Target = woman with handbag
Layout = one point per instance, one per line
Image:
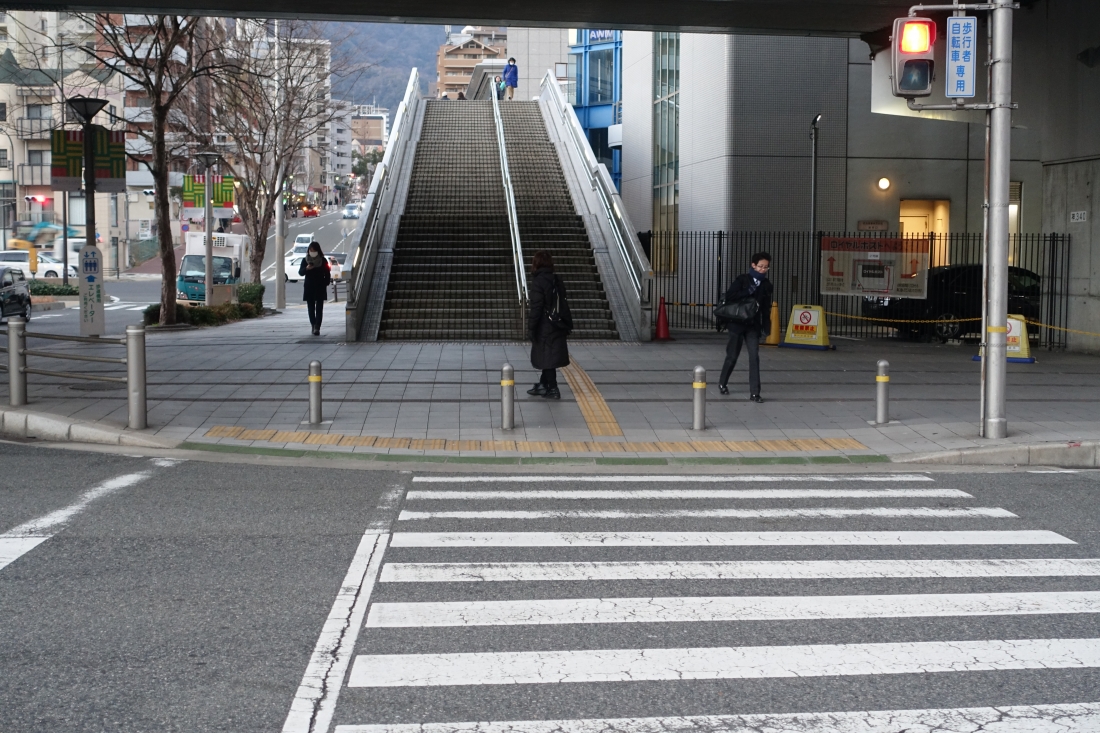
(548, 324)
(315, 270)
(754, 290)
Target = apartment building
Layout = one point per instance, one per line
(464, 50)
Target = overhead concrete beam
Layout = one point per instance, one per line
(786, 17)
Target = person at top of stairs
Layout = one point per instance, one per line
(511, 77)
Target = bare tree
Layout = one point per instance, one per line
(270, 111)
(161, 57)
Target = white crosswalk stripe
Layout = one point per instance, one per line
(474, 561)
(126, 305)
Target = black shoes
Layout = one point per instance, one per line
(756, 398)
(539, 390)
(723, 389)
(552, 394)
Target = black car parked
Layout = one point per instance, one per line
(15, 296)
(955, 291)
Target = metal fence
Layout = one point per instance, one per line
(693, 269)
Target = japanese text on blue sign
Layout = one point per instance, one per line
(962, 51)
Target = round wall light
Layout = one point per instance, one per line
(883, 183)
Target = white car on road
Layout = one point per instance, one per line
(295, 256)
(47, 266)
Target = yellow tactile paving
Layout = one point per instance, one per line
(257, 435)
(324, 439)
(795, 445)
(595, 411)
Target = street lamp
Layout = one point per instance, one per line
(208, 158)
(85, 108)
(813, 175)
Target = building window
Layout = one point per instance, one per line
(601, 76)
(38, 157)
(114, 209)
(38, 111)
(3, 111)
(3, 158)
(666, 131)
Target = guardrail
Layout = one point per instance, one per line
(372, 222)
(635, 263)
(510, 198)
(134, 341)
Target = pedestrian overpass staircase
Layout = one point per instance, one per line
(467, 192)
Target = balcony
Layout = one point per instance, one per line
(33, 128)
(34, 175)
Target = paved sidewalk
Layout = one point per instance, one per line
(252, 375)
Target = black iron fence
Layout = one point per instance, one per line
(693, 269)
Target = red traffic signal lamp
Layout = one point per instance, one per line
(914, 69)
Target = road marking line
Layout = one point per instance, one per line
(1066, 718)
(662, 479)
(807, 513)
(691, 494)
(704, 609)
(488, 572)
(20, 540)
(725, 539)
(720, 663)
(314, 703)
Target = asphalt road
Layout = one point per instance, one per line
(193, 596)
(131, 296)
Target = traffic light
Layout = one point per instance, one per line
(914, 69)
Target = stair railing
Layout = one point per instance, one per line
(372, 219)
(510, 198)
(630, 250)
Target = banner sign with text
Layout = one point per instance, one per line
(194, 189)
(67, 160)
(874, 266)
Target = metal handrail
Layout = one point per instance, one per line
(510, 198)
(639, 267)
(371, 228)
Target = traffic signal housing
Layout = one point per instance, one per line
(914, 68)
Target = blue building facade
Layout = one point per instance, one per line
(596, 91)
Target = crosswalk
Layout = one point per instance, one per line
(123, 305)
(587, 604)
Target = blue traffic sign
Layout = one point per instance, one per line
(962, 52)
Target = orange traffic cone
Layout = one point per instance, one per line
(662, 322)
(776, 330)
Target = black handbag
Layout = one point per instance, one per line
(742, 311)
(557, 320)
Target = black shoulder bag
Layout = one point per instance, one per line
(742, 311)
(557, 320)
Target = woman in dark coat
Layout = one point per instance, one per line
(317, 274)
(548, 323)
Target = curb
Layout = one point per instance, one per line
(1072, 454)
(21, 424)
(57, 305)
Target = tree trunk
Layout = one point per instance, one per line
(159, 169)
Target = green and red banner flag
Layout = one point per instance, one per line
(67, 160)
(194, 189)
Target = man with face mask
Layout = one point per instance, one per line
(511, 77)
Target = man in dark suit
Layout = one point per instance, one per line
(754, 284)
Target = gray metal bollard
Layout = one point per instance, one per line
(507, 397)
(135, 376)
(17, 362)
(699, 403)
(882, 393)
(315, 393)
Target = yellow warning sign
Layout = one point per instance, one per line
(807, 329)
(1017, 348)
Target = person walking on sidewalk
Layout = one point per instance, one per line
(549, 322)
(511, 77)
(753, 284)
(315, 270)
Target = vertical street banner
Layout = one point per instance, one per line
(962, 51)
(92, 319)
(67, 160)
(896, 267)
(194, 189)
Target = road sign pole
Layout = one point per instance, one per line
(208, 238)
(280, 246)
(1000, 153)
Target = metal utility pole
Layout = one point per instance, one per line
(813, 175)
(1000, 155)
(280, 245)
(208, 159)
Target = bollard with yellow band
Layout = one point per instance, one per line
(507, 397)
(807, 329)
(699, 399)
(315, 393)
(1016, 340)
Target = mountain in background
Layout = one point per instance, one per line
(389, 51)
